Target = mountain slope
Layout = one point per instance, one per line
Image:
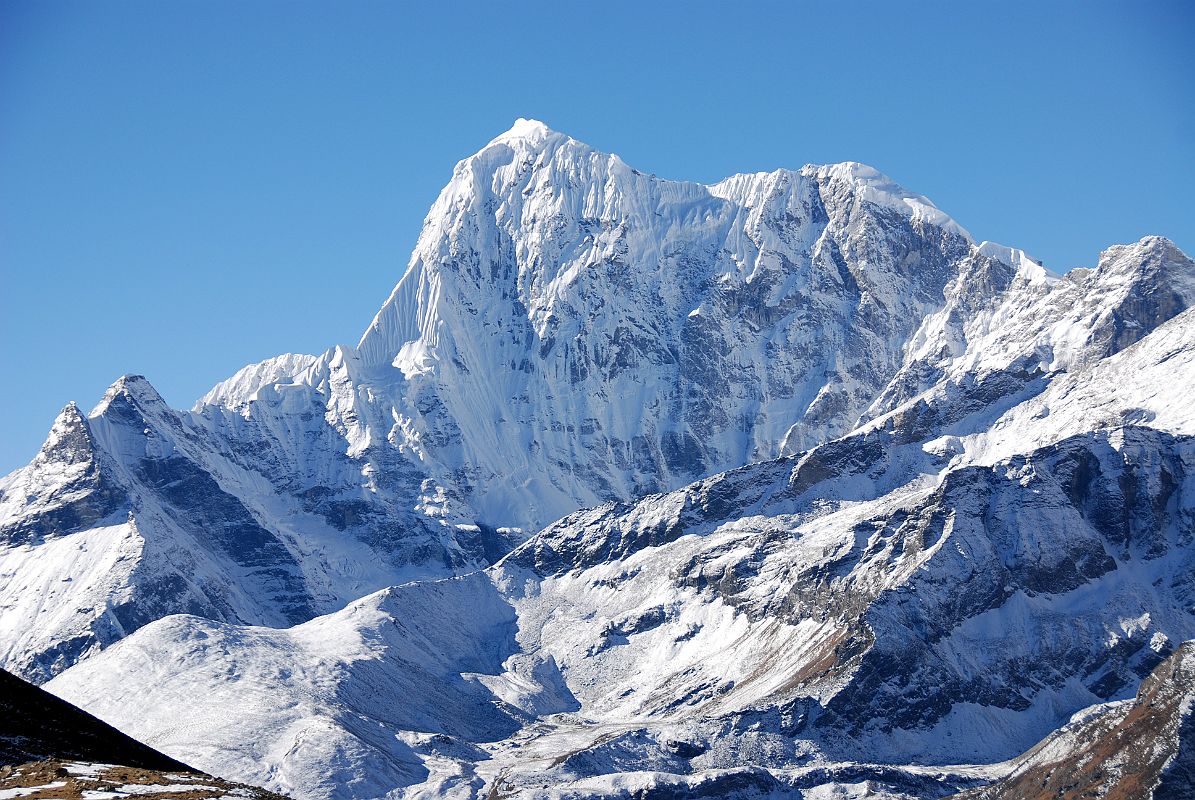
(35, 725)
(856, 613)
(131, 513)
(922, 628)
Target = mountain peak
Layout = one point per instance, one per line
(1025, 265)
(1146, 246)
(134, 387)
(877, 188)
(526, 135)
(1151, 254)
(69, 440)
(526, 129)
(242, 387)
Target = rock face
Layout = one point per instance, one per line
(841, 499)
(1139, 748)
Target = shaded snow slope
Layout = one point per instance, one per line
(133, 512)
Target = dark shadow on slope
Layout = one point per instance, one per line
(35, 726)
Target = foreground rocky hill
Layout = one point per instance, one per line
(51, 750)
(36, 726)
(1139, 748)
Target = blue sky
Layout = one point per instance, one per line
(186, 187)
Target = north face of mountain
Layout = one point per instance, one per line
(605, 333)
(600, 333)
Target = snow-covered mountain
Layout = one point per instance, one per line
(133, 513)
(569, 331)
(846, 503)
(691, 642)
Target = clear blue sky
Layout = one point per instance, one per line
(186, 187)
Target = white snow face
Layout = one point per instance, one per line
(572, 331)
